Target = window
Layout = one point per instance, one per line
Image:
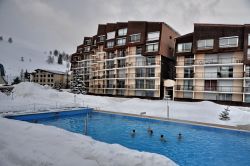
(247, 72)
(110, 35)
(150, 72)
(87, 49)
(138, 50)
(121, 62)
(205, 44)
(229, 41)
(188, 85)
(188, 72)
(121, 41)
(122, 32)
(110, 44)
(153, 36)
(135, 38)
(88, 42)
(140, 72)
(110, 55)
(210, 85)
(150, 84)
(140, 61)
(152, 47)
(101, 38)
(121, 53)
(139, 84)
(225, 97)
(225, 71)
(249, 39)
(184, 47)
(150, 61)
(248, 53)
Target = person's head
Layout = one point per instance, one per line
(134, 131)
(162, 136)
(179, 134)
(151, 131)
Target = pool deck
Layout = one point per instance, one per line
(245, 128)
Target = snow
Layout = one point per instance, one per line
(10, 58)
(32, 97)
(26, 144)
(23, 143)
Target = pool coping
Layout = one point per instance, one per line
(235, 128)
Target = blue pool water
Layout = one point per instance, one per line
(200, 146)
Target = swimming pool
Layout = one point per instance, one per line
(200, 145)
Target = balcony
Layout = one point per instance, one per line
(226, 89)
(218, 75)
(191, 61)
(215, 75)
(218, 61)
(184, 87)
(143, 63)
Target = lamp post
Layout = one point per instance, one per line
(167, 97)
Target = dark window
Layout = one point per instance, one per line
(210, 85)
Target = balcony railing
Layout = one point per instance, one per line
(189, 62)
(229, 89)
(210, 75)
(184, 87)
(128, 87)
(218, 61)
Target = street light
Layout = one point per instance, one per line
(167, 97)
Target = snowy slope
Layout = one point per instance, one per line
(10, 57)
(27, 144)
(32, 97)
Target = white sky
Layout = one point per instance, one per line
(62, 24)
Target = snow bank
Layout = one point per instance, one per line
(25, 144)
(34, 97)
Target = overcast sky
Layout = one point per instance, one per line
(62, 24)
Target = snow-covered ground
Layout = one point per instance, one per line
(26, 144)
(10, 58)
(23, 143)
(33, 97)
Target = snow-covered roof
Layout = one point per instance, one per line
(52, 71)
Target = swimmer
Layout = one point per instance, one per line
(133, 133)
(150, 131)
(179, 136)
(162, 138)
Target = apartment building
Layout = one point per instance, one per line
(213, 63)
(55, 79)
(127, 59)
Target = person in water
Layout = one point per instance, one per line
(179, 136)
(133, 133)
(150, 131)
(162, 138)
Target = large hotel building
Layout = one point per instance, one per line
(213, 63)
(127, 59)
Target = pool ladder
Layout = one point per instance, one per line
(85, 132)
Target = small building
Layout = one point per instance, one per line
(55, 79)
